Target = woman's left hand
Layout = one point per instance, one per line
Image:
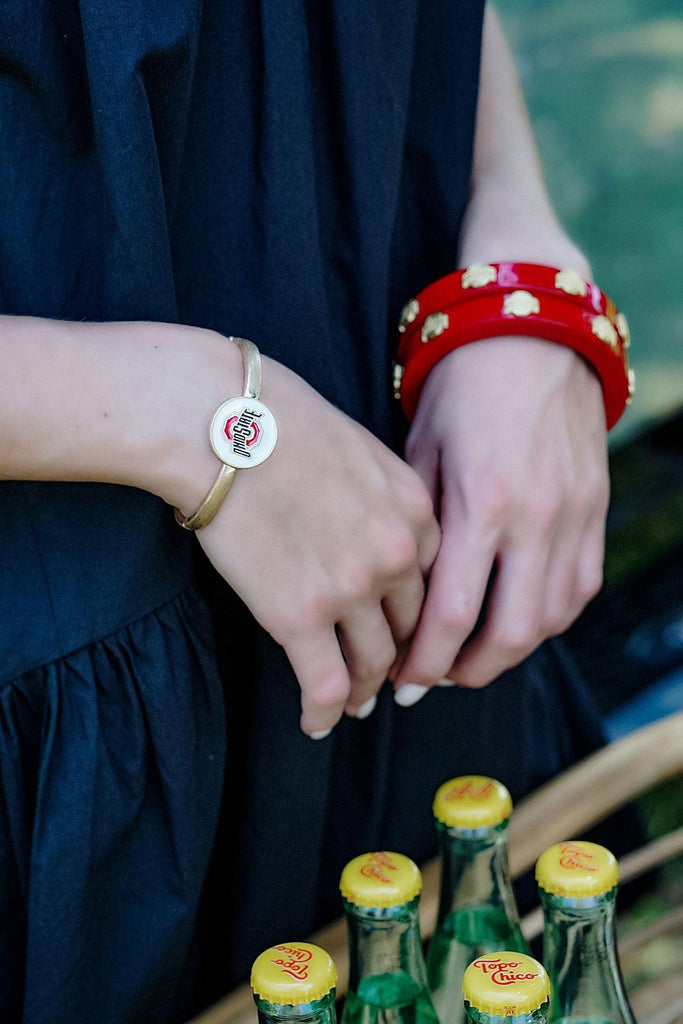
(510, 439)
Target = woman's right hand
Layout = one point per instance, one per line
(327, 543)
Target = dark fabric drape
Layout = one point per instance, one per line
(292, 172)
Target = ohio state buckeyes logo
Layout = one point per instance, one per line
(243, 432)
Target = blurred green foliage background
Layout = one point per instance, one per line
(604, 84)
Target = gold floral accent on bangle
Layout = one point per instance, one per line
(397, 379)
(479, 274)
(631, 377)
(520, 303)
(570, 282)
(434, 325)
(408, 314)
(604, 330)
(623, 328)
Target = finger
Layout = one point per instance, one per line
(425, 460)
(324, 680)
(417, 507)
(415, 500)
(428, 546)
(590, 563)
(454, 597)
(559, 604)
(369, 650)
(512, 629)
(574, 573)
(402, 605)
(402, 651)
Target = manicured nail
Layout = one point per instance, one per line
(367, 708)
(320, 734)
(410, 694)
(445, 682)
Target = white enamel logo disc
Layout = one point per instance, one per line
(243, 432)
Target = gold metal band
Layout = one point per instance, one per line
(203, 515)
(251, 360)
(205, 512)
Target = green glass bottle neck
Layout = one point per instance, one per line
(474, 869)
(320, 1011)
(385, 941)
(474, 1016)
(580, 955)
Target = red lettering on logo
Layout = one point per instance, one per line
(252, 429)
(575, 859)
(470, 790)
(502, 972)
(377, 867)
(297, 962)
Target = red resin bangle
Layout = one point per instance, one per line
(554, 305)
(592, 336)
(493, 278)
(486, 278)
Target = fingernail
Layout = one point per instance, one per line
(367, 708)
(410, 694)
(445, 682)
(320, 734)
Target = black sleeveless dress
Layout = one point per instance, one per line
(290, 171)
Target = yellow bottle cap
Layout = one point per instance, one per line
(472, 801)
(294, 973)
(380, 880)
(505, 984)
(577, 870)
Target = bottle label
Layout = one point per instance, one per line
(295, 962)
(502, 972)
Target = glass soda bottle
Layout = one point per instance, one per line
(506, 985)
(294, 982)
(578, 886)
(387, 974)
(477, 909)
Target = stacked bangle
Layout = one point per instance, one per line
(242, 433)
(497, 299)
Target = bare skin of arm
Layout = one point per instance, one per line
(509, 436)
(339, 585)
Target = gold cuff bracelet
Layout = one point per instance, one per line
(242, 434)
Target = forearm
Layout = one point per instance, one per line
(116, 402)
(509, 434)
(509, 216)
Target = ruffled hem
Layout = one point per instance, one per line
(112, 764)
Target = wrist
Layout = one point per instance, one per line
(120, 402)
(513, 299)
(198, 370)
(522, 368)
(242, 434)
